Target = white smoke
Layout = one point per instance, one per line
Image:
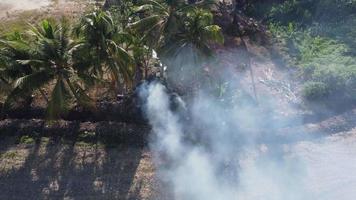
(218, 149)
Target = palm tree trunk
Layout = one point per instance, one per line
(71, 87)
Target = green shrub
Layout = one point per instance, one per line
(26, 140)
(328, 63)
(315, 90)
(293, 10)
(319, 38)
(9, 155)
(316, 50)
(350, 81)
(336, 80)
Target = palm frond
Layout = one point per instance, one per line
(33, 81)
(145, 23)
(59, 101)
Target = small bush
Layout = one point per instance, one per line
(327, 63)
(293, 10)
(8, 155)
(319, 38)
(26, 140)
(315, 90)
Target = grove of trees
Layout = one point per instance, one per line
(64, 60)
(68, 62)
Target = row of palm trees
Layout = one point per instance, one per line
(62, 61)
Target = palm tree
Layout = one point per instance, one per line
(14, 48)
(51, 63)
(161, 23)
(166, 26)
(198, 32)
(190, 48)
(195, 25)
(100, 39)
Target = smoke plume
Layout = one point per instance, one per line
(219, 144)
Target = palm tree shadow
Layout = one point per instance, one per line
(66, 167)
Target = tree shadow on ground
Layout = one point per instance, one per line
(59, 168)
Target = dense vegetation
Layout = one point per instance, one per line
(317, 36)
(64, 62)
(71, 63)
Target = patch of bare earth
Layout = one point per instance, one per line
(17, 14)
(11, 8)
(58, 169)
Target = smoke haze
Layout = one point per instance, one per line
(219, 147)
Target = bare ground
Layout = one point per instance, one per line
(16, 15)
(10, 9)
(47, 168)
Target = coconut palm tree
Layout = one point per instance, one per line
(14, 48)
(198, 32)
(169, 26)
(190, 48)
(160, 21)
(104, 55)
(51, 66)
(195, 25)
